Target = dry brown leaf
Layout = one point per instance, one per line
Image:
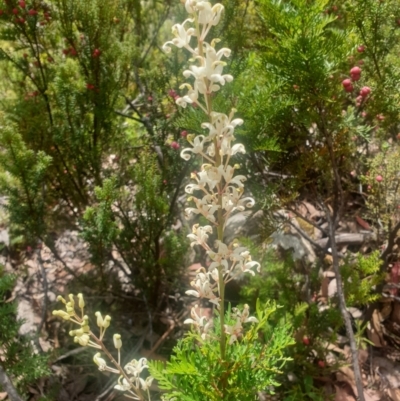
(395, 316)
(332, 288)
(363, 223)
(346, 374)
(324, 287)
(374, 332)
(333, 347)
(393, 393)
(342, 394)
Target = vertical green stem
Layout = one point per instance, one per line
(220, 230)
(220, 216)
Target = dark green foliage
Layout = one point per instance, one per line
(292, 77)
(21, 363)
(86, 107)
(133, 220)
(22, 180)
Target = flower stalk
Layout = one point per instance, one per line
(130, 380)
(217, 191)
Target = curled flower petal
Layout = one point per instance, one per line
(237, 148)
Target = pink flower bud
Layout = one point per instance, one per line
(346, 82)
(172, 93)
(355, 71)
(349, 88)
(379, 178)
(365, 91)
(175, 145)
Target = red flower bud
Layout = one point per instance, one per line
(365, 91)
(355, 71)
(96, 53)
(175, 145)
(346, 82)
(349, 88)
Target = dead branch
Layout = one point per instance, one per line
(7, 385)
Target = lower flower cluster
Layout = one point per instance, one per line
(130, 380)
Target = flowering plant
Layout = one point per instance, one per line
(233, 355)
(232, 362)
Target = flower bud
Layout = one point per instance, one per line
(84, 340)
(100, 320)
(60, 298)
(62, 314)
(117, 341)
(79, 332)
(81, 302)
(106, 321)
(70, 309)
(71, 300)
(100, 362)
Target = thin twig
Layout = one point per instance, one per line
(45, 291)
(108, 389)
(343, 309)
(389, 247)
(313, 223)
(69, 353)
(306, 236)
(7, 385)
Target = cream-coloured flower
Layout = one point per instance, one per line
(203, 288)
(198, 146)
(123, 384)
(146, 384)
(196, 319)
(244, 316)
(199, 235)
(99, 361)
(182, 37)
(206, 206)
(228, 174)
(135, 367)
(234, 331)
